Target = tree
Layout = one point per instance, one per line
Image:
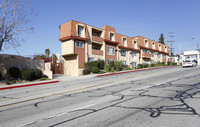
(47, 52)
(15, 18)
(161, 39)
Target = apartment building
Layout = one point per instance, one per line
(82, 43)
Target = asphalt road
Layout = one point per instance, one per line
(168, 97)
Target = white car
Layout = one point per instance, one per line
(189, 63)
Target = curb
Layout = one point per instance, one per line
(26, 85)
(115, 73)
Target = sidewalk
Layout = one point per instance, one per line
(61, 78)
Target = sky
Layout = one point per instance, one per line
(147, 18)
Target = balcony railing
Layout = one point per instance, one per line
(146, 55)
(97, 52)
(97, 39)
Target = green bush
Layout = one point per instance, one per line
(152, 65)
(28, 74)
(95, 70)
(119, 65)
(145, 65)
(0, 75)
(112, 69)
(101, 64)
(97, 63)
(112, 64)
(140, 66)
(162, 63)
(107, 68)
(38, 74)
(86, 71)
(14, 72)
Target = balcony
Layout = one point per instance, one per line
(97, 52)
(146, 55)
(97, 39)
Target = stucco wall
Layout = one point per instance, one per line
(71, 65)
(6, 63)
(67, 47)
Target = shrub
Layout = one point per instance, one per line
(140, 66)
(112, 64)
(145, 65)
(107, 68)
(28, 74)
(97, 63)
(162, 63)
(119, 65)
(95, 70)
(14, 72)
(112, 69)
(86, 71)
(38, 73)
(101, 64)
(0, 75)
(152, 65)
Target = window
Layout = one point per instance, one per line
(96, 32)
(123, 62)
(111, 36)
(96, 46)
(164, 56)
(144, 50)
(133, 64)
(90, 59)
(135, 44)
(123, 52)
(165, 48)
(133, 54)
(153, 45)
(109, 60)
(159, 47)
(110, 51)
(158, 55)
(152, 61)
(146, 43)
(124, 41)
(152, 54)
(79, 44)
(80, 31)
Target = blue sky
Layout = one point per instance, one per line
(148, 18)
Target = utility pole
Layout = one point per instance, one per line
(171, 49)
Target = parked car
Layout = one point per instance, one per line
(189, 63)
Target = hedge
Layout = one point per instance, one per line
(14, 72)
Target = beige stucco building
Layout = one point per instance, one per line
(82, 43)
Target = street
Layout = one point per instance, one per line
(167, 97)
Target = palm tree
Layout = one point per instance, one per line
(47, 52)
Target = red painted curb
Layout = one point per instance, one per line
(35, 84)
(132, 71)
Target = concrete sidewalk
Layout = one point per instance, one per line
(62, 78)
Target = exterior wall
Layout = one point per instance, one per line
(81, 55)
(67, 47)
(71, 65)
(6, 63)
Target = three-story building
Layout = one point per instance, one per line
(82, 43)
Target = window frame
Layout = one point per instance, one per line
(108, 51)
(123, 52)
(80, 42)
